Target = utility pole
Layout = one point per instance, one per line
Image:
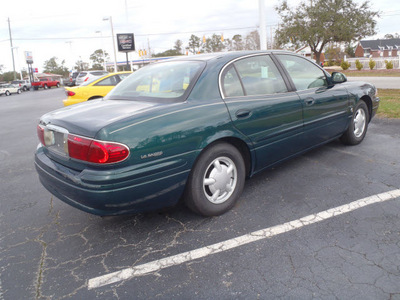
(12, 49)
(263, 29)
(113, 41)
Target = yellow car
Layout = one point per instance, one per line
(97, 88)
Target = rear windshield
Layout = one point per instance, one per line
(99, 73)
(163, 81)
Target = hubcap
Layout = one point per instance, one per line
(220, 180)
(359, 122)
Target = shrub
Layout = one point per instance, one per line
(389, 64)
(372, 64)
(359, 65)
(345, 65)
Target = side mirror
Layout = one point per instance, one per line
(338, 77)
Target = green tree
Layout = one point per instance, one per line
(372, 64)
(252, 41)
(97, 58)
(322, 21)
(178, 47)
(170, 52)
(213, 44)
(238, 43)
(350, 50)
(359, 65)
(9, 76)
(391, 36)
(51, 66)
(194, 44)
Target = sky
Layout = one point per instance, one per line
(72, 30)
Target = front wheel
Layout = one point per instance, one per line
(58, 85)
(7, 93)
(45, 87)
(216, 181)
(358, 125)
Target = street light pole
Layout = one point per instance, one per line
(112, 33)
(263, 29)
(12, 51)
(18, 65)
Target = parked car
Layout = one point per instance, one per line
(72, 79)
(8, 89)
(97, 88)
(24, 85)
(86, 76)
(194, 128)
(45, 83)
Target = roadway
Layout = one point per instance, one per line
(379, 82)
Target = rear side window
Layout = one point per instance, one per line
(109, 81)
(252, 76)
(305, 75)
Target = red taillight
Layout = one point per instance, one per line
(69, 93)
(40, 133)
(96, 151)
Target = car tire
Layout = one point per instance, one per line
(216, 181)
(7, 93)
(19, 91)
(357, 129)
(45, 87)
(58, 85)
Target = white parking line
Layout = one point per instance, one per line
(181, 258)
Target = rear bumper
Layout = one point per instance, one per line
(112, 192)
(69, 101)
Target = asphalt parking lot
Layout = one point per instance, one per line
(312, 227)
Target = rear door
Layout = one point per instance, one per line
(325, 106)
(262, 108)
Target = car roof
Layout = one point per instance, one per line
(226, 55)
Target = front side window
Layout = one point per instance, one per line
(305, 75)
(168, 80)
(252, 76)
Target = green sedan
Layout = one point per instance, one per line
(194, 128)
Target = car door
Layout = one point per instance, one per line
(325, 106)
(262, 108)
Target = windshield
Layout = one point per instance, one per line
(163, 81)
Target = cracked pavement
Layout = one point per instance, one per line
(49, 250)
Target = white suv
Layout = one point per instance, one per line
(86, 76)
(23, 85)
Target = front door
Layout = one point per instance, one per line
(325, 107)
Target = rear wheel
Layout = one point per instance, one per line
(45, 87)
(19, 91)
(216, 181)
(358, 125)
(7, 93)
(25, 88)
(58, 85)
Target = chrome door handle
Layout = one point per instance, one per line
(242, 113)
